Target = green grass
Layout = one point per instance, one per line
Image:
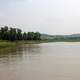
(4, 44)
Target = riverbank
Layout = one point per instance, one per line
(5, 44)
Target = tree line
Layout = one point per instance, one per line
(13, 34)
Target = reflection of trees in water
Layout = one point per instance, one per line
(31, 49)
(10, 56)
(19, 54)
(32, 52)
(20, 50)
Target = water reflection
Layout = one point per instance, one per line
(50, 61)
(18, 55)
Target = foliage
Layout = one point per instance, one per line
(13, 34)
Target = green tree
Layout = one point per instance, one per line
(12, 34)
(37, 36)
(19, 34)
(30, 36)
(24, 36)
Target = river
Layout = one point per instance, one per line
(45, 61)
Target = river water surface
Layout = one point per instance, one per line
(46, 61)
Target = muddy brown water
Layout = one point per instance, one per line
(46, 61)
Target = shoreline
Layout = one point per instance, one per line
(6, 44)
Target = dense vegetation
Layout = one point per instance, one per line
(13, 34)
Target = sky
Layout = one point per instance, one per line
(45, 16)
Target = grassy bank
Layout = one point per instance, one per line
(5, 44)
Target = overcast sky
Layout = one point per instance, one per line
(45, 16)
